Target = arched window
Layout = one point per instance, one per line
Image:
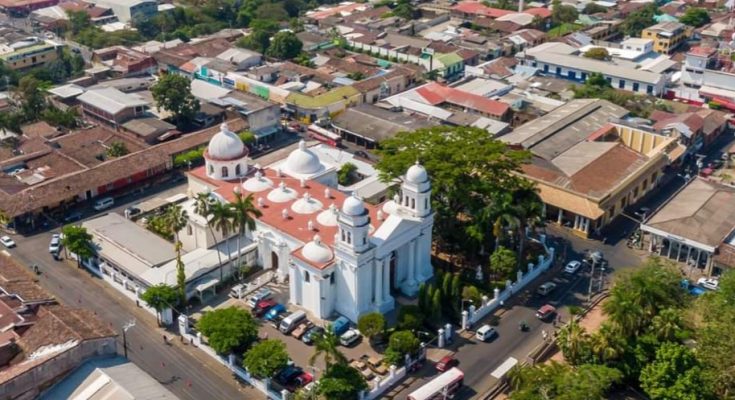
(238, 170)
(211, 169)
(349, 237)
(413, 203)
(306, 276)
(224, 172)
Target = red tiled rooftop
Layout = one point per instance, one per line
(702, 51)
(436, 93)
(477, 8)
(538, 12)
(296, 225)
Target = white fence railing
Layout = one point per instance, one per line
(534, 270)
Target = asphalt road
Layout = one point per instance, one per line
(186, 371)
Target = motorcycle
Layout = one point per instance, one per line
(523, 326)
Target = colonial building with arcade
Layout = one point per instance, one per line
(339, 254)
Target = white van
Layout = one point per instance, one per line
(104, 203)
(237, 291)
(290, 322)
(485, 333)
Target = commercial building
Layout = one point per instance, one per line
(367, 125)
(564, 61)
(30, 52)
(696, 226)
(667, 36)
(112, 106)
(588, 164)
(129, 11)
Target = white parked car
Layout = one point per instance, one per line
(261, 294)
(55, 244)
(350, 337)
(7, 241)
(572, 267)
(709, 283)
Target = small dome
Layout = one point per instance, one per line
(306, 205)
(282, 194)
(258, 183)
(225, 145)
(353, 206)
(417, 174)
(328, 217)
(303, 161)
(316, 251)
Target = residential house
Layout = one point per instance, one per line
(29, 52)
(18, 8)
(124, 62)
(130, 11)
(241, 59)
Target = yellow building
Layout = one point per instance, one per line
(588, 165)
(28, 54)
(667, 36)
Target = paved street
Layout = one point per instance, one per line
(187, 372)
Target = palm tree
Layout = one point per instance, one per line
(326, 346)
(203, 207)
(666, 324)
(244, 215)
(527, 207)
(176, 218)
(623, 311)
(573, 341)
(607, 344)
(222, 218)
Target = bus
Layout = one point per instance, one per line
(325, 136)
(440, 388)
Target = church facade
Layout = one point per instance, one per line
(339, 254)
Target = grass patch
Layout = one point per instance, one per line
(563, 29)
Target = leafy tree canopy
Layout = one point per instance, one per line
(468, 169)
(562, 382)
(638, 20)
(173, 93)
(266, 358)
(77, 240)
(341, 382)
(598, 53)
(674, 375)
(695, 17)
(285, 46)
(371, 324)
(562, 13)
(503, 263)
(228, 329)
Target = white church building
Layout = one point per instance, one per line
(339, 254)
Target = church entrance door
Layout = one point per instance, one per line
(274, 260)
(393, 266)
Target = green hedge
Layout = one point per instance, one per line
(194, 156)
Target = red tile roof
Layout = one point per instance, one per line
(436, 93)
(702, 51)
(538, 12)
(477, 8)
(295, 225)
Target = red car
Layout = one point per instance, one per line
(263, 306)
(545, 312)
(299, 382)
(446, 363)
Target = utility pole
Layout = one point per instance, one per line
(592, 279)
(125, 339)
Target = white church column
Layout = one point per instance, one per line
(379, 281)
(412, 263)
(386, 275)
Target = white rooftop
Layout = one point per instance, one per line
(111, 100)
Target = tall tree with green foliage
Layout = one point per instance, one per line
(371, 324)
(638, 20)
(562, 13)
(341, 382)
(695, 17)
(204, 206)
(160, 297)
(266, 358)
(326, 346)
(77, 240)
(469, 166)
(436, 307)
(223, 217)
(228, 329)
(244, 214)
(562, 382)
(285, 46)
(410, 317)
(346, 173)
(675, 374)
(574, 343)
(172, 92)
(401, 344)
(31, 99)
(503, 263)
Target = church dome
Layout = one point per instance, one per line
(353, 206)
(257, 183)
(303, 161)
(328, 217)
(282, 194)
(225, 145)
(306, 205)
(417, 174)
(316, 251)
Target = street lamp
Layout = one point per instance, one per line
(125, 338)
